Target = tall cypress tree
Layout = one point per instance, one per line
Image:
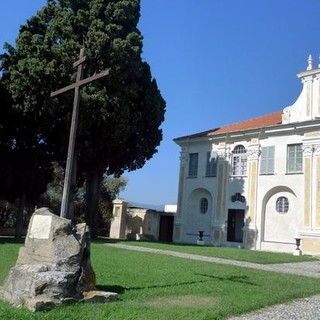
(120, 116)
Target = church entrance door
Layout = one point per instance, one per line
(235, 225)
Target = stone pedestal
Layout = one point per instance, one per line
(53, 267)
(250, 233)
(217, 236)
(297, 252)
(200, 241)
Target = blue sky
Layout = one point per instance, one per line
(216, 62)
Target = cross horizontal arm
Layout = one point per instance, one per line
(80, 61)
(80, 83)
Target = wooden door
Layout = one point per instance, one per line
(166, 228)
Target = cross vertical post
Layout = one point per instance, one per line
(72, 142)
(65, 204)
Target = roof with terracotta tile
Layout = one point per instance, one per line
(254, 123)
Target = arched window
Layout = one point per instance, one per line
(282, 205)
(203, 205)
(239, 161)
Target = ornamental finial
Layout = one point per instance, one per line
(309, 62)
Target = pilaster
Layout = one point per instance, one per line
(250, 230)
(253, 158)
(177, 232)
(317, 183)
(182, 177)
(307, 155)
(222, 174)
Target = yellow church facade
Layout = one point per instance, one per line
(255, 184)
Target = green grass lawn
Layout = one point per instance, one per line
(253, 256)
(152, 286)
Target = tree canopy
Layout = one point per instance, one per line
(23, 162)
(120, 115)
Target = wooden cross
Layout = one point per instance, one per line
(73, 130)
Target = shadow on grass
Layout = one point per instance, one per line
(120, 289)
(240, 279)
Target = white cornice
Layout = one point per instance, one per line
(285, 129)
(308, 73)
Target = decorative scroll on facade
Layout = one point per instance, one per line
(238, 197)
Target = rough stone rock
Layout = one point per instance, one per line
(99, 296)
(53, 267)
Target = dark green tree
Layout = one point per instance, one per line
(111, 187)
(120, 116)
(25, 166)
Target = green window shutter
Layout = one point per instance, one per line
(211, 168)
(267, 160)
(193, 164)
(294, 158)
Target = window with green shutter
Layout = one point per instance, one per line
(294, 158)
(267, 160)
(211, 169)
(193, 165)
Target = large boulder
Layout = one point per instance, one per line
(53, 267)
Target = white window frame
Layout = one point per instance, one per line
(267, 160)
(294, 158)
(239, 161)
(204, 204)
(282, 205)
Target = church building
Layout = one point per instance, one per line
(255, 184)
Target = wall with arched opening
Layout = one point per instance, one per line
(279, 221)
(198, 216)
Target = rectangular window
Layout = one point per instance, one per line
(294, 158)
(193, 164)
(239, 165)
(239, 161)
(267, 160)
(211, 169)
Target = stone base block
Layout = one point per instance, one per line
(99, 296)
(297, 252)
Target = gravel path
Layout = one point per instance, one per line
(302, 309)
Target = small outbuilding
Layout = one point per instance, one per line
(141, 222)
